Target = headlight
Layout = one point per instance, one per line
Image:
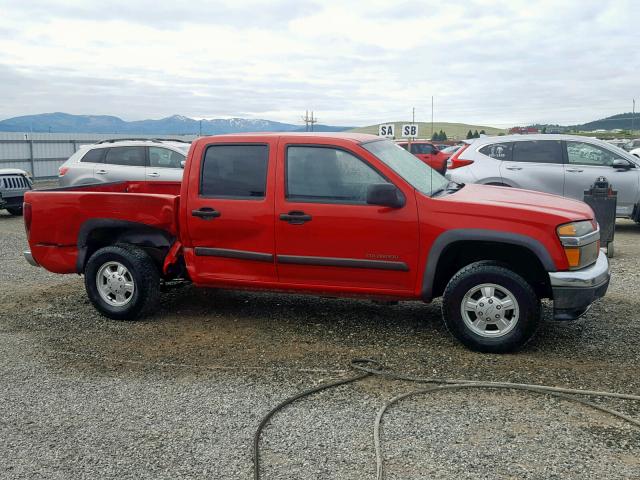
(581, 242)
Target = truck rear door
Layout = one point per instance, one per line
(229, 213)
(328, 237)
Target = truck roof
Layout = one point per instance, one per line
(348, 136)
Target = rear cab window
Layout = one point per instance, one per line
(235, 171)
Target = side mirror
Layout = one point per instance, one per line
(621, 164)
(385, 195)
(182, 163)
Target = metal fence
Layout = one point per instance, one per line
(42, 153)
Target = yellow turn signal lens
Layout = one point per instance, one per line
(573, 257)
(568, 230)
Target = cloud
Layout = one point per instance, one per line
(499, 63)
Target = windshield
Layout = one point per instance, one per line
(420, 175)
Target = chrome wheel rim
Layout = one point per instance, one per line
(115, 284)
(490, 310)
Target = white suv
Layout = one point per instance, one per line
(125, 160)
(564, 165)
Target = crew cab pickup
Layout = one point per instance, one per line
(329, 214)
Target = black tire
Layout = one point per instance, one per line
(16, 211)
(145, 275)
(475, 274)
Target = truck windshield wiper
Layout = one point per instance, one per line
(449, 188)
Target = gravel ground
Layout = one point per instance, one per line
(179, 395)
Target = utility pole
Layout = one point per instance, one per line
(309, 121)
(431, 116)
(633, 116)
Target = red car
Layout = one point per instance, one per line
(331, 214)
(428, 153)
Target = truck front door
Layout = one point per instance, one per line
(328, 237)
(229, 216)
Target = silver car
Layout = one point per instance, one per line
(564, 165)
(13, 185)
(125, 160)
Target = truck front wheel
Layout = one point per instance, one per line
(122, 282)
(490, 308)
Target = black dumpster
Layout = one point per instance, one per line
(602, 198)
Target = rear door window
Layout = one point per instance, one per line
(537, 151)
(235, 171)
(126, 156)
(94, 155)
(499, 151)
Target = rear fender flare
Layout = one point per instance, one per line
(124, 231)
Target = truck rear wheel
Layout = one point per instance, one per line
(490, 308)
(122, 282)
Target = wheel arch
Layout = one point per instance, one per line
(101, 232)
(454, 249)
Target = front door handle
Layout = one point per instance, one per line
(101, 172)
(295, 217)
(513, 168)
(153, 174)
(206, 213)
(574, 170)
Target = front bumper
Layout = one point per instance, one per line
(575, 291)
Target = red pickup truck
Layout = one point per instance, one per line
(331, 214)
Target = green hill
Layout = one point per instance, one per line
(454, 131)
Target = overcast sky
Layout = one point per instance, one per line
(355, 63)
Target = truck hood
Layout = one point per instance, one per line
(513, 202)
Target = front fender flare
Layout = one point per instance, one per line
(475, 234)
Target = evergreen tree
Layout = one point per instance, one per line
(469, 134)
(443, 136)
(482, 132)
(435, 137)
(476, 134)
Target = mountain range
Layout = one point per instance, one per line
(59, 122)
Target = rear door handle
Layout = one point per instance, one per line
(206, 213)
(513, 168)
(574, 170)
(295, 217)
(101, 172)
(153, 174)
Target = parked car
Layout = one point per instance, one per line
(428, 153)
(331, 214)
(127, 159)
(560, 164)
(451, 149)
(14, 183)
(632, 145)
(635, 152)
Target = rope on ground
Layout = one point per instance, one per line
(369, 367)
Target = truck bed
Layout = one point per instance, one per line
(54, 218)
